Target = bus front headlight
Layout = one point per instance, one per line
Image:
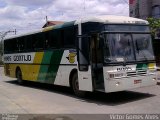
(152, 72)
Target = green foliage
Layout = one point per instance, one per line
(154, 24)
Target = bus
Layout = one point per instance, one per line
(100, 53)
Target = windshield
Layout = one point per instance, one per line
(127, 47)
(143, 47)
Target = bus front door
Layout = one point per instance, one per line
(84, 67)
(96, 53)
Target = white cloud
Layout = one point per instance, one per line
(74, 9)
(25, 15)
(12, 13)
(28, 3)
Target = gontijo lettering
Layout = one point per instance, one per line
(18, 58)
(7, 58)
(22, 58)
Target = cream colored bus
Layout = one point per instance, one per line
(104, 53)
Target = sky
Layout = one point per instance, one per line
(29, 15)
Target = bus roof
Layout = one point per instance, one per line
(112, 19)
(107, 19)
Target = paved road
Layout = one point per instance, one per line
(38, 98)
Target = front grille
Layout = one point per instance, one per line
(135, 73)
(142, 72)
(131, 73)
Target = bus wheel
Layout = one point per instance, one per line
(75, 86)
(19, 77)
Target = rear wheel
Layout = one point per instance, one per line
(75, 86)
(19, 76)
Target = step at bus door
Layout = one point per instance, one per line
(84, 68)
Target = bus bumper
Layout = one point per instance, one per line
(121, 84)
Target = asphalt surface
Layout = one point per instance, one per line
(35, 98)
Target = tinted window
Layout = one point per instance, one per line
(29, 43)
(143, 46)
(10, 45)
(20, 44)
(91, 27)
(136, 28)
(69, 37)
(38, 41)
(51, 40)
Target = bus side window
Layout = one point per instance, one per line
(29, 43)
(52, 39)
(69, 37)
(47, 45)
(20, 44)
(38, 41)
(15, 45)
(6, 46)
(9, 46)
(34, 40)
(59, 38)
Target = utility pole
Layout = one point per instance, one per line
(137, 9)
(46, 20)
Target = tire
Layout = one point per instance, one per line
(75, 87)
(19, 77)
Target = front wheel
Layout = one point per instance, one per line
(75, 86)
(19, 77)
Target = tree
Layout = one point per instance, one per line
(154, 24)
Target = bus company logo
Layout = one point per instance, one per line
(71, 57)
(124, 69)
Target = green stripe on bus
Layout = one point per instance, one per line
(54, 65)
(44, 68)
(48, 72)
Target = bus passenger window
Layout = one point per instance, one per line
(29, 43)
(10, 46)
(20, 44)
(46, 43)
(69, 37)
(38, 41)
(52, 39)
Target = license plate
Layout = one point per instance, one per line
(137, 81)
